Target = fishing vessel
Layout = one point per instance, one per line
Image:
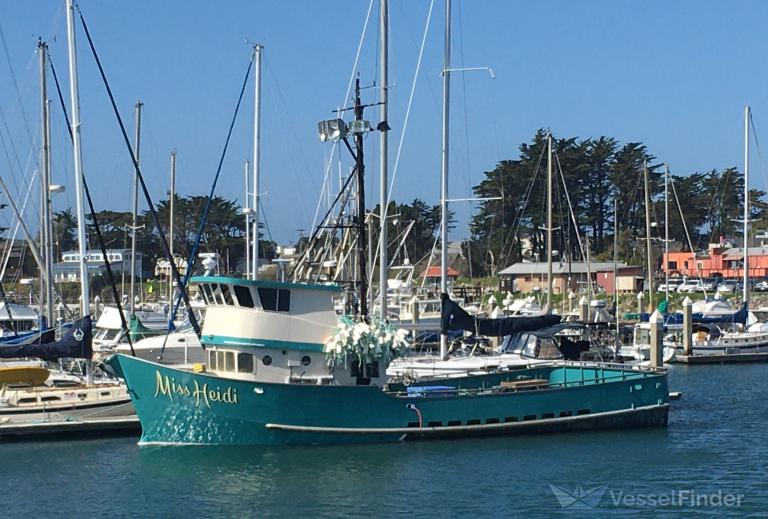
(274, 375)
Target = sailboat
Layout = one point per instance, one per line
(108, 397)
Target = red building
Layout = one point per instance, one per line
(718, 260)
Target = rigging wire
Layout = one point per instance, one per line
(326, 176)
(102, 246)
(163, 240)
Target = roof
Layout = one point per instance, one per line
(738, 252)
(575, 267)
(435, 272)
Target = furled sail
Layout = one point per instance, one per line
(74, 344)
(455, 318)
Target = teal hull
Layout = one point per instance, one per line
(180, 407)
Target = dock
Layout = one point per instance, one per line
(722, 358)
(71, 429)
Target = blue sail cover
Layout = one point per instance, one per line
(74, 344)
(455, 317)
(737, 317)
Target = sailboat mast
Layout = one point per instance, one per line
(170, 222)
(549, 220)
(46, 288)
(649, 255)
(246, 211)
(383, 150)
(444, 176)
(256, 159)
(747, 115)
(666, 231)
(74, 95)
(616, 269)
(135, 210)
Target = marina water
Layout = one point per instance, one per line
(715, 446)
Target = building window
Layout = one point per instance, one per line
(244, 297)
(672, 265)
(245, 363)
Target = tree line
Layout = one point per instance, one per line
(593, 173)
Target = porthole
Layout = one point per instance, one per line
(266, 360)
(306, 360)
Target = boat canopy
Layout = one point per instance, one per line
(74, 344)
(456, 318)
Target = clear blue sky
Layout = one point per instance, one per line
(675, 75)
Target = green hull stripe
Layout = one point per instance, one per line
(223, 340)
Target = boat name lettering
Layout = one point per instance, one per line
(167, 386)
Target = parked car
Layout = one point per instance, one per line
(688, 286)
(728, 286)
(762, 286)
(707, 285)
(672, 286)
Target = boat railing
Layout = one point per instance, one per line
(542, 386)
(624, 373)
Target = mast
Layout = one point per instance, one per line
(360, 169)
(616, 269)
(170, 223)
(256, 159)
(549, 219)
(246, 211)
(46, 287)
(747, 116)
(74, 95)
(135, 211)
(666, 232)
(648, 232)
(383, 150)
(444, 168)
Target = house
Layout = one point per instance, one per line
(68, 269)
(529, 276)
(434, 275)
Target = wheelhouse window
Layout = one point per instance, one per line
(273, 299)
(245, 363)
(211, 359)
(244, 297)
(227, 295)
(284, 300)
(230, 361)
